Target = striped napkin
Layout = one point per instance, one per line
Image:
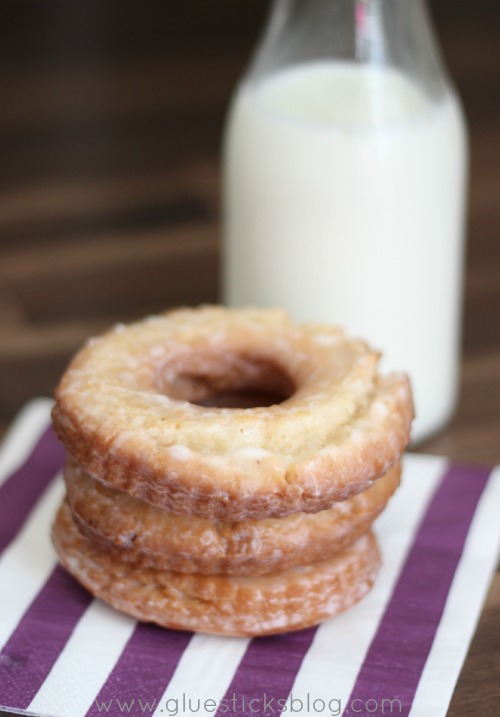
(399, 651)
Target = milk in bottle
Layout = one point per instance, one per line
(344, 203)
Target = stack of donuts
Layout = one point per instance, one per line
(225, 467)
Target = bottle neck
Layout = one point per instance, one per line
(395, 34)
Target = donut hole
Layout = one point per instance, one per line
(228, 380)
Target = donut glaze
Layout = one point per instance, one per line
(140, 533)
(221, 604)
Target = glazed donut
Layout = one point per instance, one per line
(137, 532)
(128, 410)
(279, 602)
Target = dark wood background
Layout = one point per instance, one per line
(111, 115)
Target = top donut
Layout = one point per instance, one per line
(154, 408)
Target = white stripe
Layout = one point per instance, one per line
(28, 561)
(23, 434)
(334, 659)
(204, 672)
(463, 607)
(85, 663)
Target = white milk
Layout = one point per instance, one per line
(344, 203)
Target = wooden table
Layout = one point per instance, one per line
(110, 127)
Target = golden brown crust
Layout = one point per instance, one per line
(279, 602)
(343, 426)
(138, 532)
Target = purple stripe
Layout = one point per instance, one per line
(39, 638)
(19, 493)
(396, 658)
(142, 673)
(266, 674)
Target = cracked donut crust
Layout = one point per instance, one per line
(127, 410)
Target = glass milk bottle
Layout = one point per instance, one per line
(344, 185)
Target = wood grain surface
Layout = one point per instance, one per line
(111, 118)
